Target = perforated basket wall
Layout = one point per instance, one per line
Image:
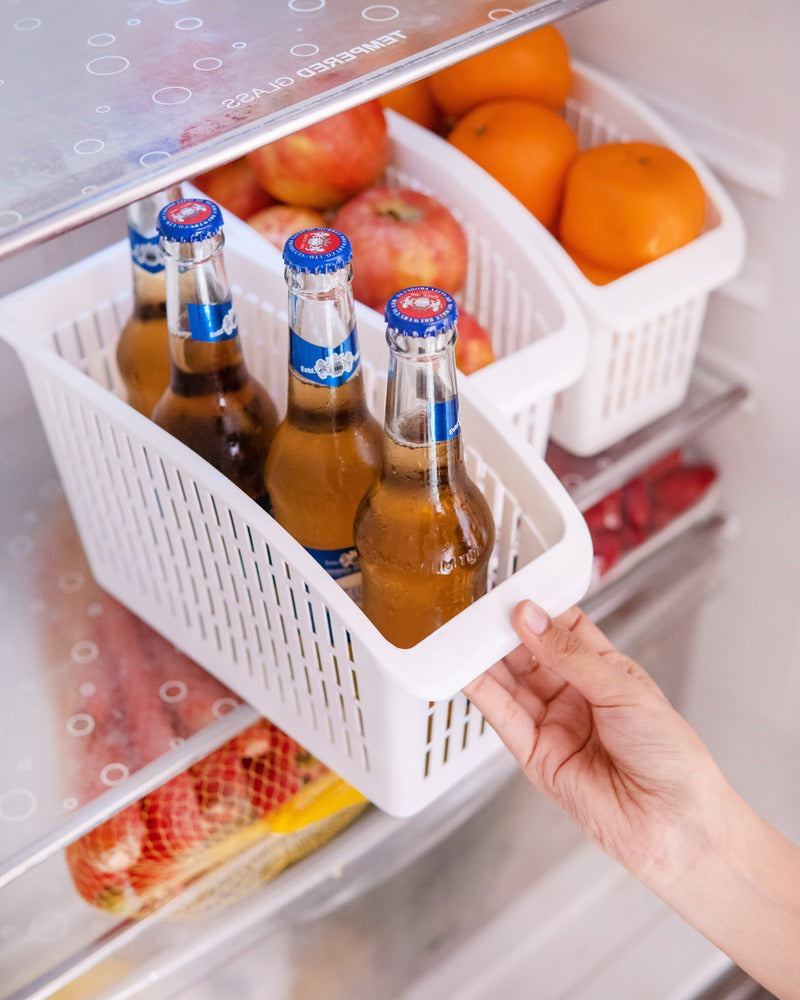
(189, 553)
(644, 328)
(539, 332)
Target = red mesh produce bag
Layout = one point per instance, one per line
(261, 788)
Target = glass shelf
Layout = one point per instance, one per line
(711, 396)
(58, 663)
(140, 96)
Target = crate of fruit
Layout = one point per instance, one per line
(644, 326)
(191, 555)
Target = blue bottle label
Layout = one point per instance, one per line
(145, 251)
(338, 563)
(344, 566)
(212, 322)
(324, 365)
(445, 423)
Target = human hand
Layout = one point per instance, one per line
(592, 730)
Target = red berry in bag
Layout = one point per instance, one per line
(678, 489)
(607, 550)
(606, 515)
(173, 819)
(116, 843)
(270, 786)
(636, 503)
(104, 889)
(220, 783)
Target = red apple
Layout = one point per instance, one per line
(234, 186)
(278, 222)
(400, 238)
(474, 344)
(323, 165)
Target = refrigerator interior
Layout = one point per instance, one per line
(493, 891)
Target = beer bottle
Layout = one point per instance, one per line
(424, 531)
(212, 403)
(142, 349)
(327, 449)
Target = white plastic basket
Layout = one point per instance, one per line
(539, 332)
(188, 552)
(644, 328)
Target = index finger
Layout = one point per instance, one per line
(585, 629)
(578, 652)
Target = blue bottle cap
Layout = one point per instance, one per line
(317, 251)
(421, 311)
(189, 220)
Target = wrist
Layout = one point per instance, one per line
(735, 879)
(702, 832)
(698, 831)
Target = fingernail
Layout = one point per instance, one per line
(536, 619)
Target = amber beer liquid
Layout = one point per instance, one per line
(142, 348)
(327, 449)
(424, 532)
(212, 403)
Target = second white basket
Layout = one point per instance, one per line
(539, 332)
(176, 542)
(644, 328)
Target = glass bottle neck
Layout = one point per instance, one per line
(422, 424)
(147, 260)
(203, 329)
(323, 341)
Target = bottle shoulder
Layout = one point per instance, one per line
(246, 405)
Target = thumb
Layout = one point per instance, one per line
(577, 651)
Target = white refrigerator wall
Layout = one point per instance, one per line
(727, 74)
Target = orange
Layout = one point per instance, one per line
(596, 273)
(627, 203)
(414, 101)
(525, 146)
(534, 66)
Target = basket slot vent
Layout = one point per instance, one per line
(452, 728)
(102, 364)
(493, 302)
(591, 128)
(509, 330)
(508, 545)
(307, 659)
(506, 512)
(530, 542)
(265, 341)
